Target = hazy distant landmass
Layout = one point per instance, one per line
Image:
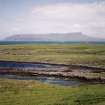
(74, 37)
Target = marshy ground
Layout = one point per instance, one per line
(85, 54)
(23, 92)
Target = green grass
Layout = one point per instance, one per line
(21, 92)
(16, 92)
(86, 54)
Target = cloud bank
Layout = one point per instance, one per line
(88, 18)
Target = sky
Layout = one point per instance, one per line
(52, 16)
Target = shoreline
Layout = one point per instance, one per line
(86, 73)
(57, 64)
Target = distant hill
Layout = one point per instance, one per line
(76, 36)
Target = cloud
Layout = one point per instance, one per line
(88, 18)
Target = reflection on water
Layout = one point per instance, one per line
(13, 64)
(43, 79)
(30, 66)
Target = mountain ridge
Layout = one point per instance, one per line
(76, 36)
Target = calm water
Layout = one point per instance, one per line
(43, 42)
(43, 79)
(29, 65)
(46, 80)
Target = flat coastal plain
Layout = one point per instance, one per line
(30, 92)
(78, 54)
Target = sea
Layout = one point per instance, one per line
(46, 42)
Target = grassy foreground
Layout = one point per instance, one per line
(86, 54)
(16, 92)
